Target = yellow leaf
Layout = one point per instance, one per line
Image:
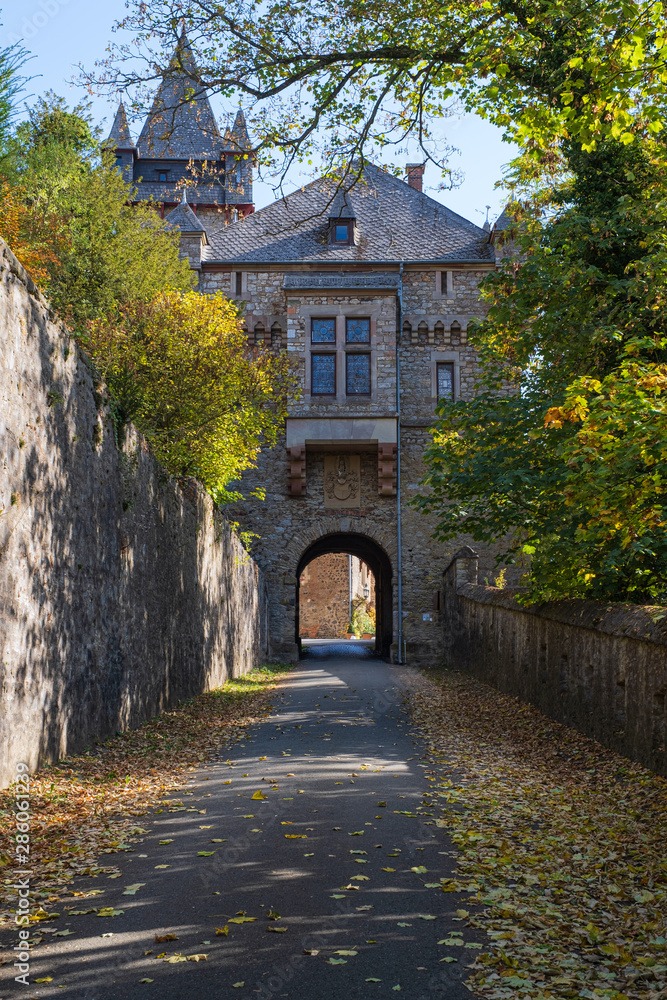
(258, 795)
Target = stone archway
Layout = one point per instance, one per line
(380, 565)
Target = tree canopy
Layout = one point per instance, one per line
(561, 454)
(73, 220)
(175, 362)
(178, 366)
(354, 77)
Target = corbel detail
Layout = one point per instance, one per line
(296, 471)
(387, 470)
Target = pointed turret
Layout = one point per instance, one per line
(120, 141)
(238, 137)
(120, 137)
(183, 218)
(192, 234)
(181, 123)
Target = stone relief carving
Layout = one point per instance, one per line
(342, 481)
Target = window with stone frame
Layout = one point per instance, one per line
(445, 380)
(357, 330)
(322, 374)
(323, 330)
(357, 374)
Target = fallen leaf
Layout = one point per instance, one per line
(388, 869)
(278, 930)
(64, 933)
(273, 915)
(258, 795)
(162, 866)
(241, 920)
(222, 931)
(419, 869)
(343, 951)
(356, 833)
(449, 958)
(130, 890)
(108, 911)
(311, 951)
(146, 980)
(426, 916)
(45, 979)
(337, 961)
(205, 854)
(237, 986)
(159, 938)
(197, 958)
(295, 836)
(371, 979)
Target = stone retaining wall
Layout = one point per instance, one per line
(599, 668)
(121, 591)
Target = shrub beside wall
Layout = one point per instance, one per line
(122, 591)
(599, 668)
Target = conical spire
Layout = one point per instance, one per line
(181, 123)
(238, 138)
(120, 137)
(183, 218)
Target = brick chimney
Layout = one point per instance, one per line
(415, 175)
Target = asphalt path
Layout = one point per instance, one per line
(323, 864)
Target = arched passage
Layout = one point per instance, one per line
(380, 565)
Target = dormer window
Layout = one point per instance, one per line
(341, 220)
(163, 175)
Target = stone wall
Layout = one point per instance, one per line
(325, 597)
(121, 592)
(288, 525)
(327, 586)
(599, 668)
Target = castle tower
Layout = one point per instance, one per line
(180, 145)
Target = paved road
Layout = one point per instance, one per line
(340, 767)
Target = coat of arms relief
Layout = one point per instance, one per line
(342, 481)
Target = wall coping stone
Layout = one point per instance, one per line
(633, 621)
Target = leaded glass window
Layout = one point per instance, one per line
(358, 374)
(323, 374)
(445, 373)
(357, 331)
(323, 331)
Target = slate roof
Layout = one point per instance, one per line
(183, 218)
(394, 223)
(181, 123)
(238, 138)
(120, 136)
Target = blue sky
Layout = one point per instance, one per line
(62, 33)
